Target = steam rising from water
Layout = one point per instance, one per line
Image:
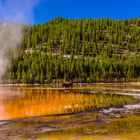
(10, 36)
(11, 12)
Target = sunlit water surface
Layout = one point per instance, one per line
(19, 103)
(22, 103)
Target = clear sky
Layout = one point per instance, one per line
(118, 9)
(41, 11)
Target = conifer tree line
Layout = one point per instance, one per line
(80, 50)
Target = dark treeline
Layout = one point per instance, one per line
(81, 50)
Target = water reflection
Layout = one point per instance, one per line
(35, 102)
(4, 94)
(23, 102)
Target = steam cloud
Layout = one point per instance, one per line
(11, 12)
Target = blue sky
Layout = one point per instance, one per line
(118, 9)
(31, 11)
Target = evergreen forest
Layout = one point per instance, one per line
(78, 50)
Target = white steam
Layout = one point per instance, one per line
(11, 12)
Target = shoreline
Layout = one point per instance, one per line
(75, 84)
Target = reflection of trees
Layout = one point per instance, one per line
(42, 102)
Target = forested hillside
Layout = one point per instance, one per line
(80, 50)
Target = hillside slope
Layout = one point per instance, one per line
(81, 50)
